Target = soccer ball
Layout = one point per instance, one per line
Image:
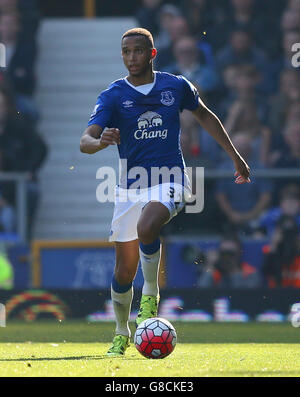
(155, 338)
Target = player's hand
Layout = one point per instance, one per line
(242, 171)
(110, 136)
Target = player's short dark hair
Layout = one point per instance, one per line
(140, 32)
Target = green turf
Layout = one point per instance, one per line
(73, 348)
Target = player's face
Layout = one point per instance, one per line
(137, 55)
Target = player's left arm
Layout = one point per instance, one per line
(211, 123)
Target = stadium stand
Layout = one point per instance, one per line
(72, 71)
(255, 96)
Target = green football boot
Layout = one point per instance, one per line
(148, 308)
(119, 346)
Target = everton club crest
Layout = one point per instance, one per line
(167, 98)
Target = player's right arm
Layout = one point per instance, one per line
(94, 139)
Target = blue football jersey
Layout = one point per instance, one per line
(149, 124)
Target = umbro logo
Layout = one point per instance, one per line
(128, 104)
(96, 108)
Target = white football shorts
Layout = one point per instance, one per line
(129, 204)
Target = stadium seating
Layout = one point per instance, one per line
(72, 70)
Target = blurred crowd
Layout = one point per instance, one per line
(225, 266)
(238, 53)
(21, 147)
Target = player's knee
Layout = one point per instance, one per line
(124, 274)
(147, 232)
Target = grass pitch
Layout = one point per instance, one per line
(77, 349)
